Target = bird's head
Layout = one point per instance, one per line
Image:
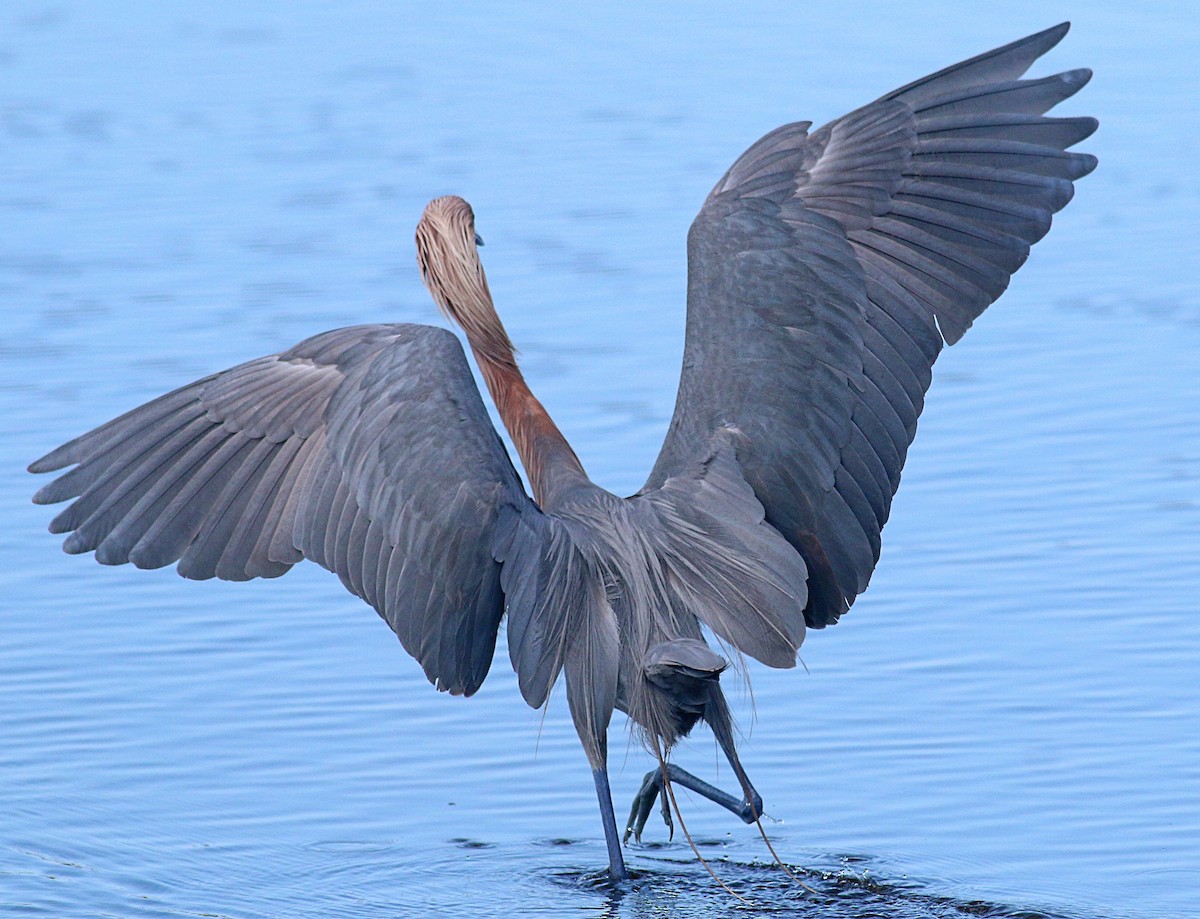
(448, 255)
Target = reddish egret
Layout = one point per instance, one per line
(825, 271)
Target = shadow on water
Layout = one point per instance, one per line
(845, 888)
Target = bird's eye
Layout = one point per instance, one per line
(478, 240)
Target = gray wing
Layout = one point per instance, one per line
(367, 450)
(826, 269)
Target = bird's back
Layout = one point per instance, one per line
(656, 567)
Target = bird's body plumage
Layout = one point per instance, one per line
(825, 271)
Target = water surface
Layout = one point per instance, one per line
(1007, 722)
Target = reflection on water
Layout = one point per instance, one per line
(1005, 725)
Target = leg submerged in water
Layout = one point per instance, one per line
(616, 861)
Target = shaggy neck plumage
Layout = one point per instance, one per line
(450, 266)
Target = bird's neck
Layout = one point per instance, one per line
(549, 461)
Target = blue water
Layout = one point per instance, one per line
(1007, 723)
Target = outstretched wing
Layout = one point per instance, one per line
(826, 269)
(366, 449)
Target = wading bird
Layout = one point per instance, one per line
(825, 271)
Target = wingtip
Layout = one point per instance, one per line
(1045, 39)
(1059, 30)
(1088, 126)
(58, 458)
(1007, 62)
(1079, 77)
(42, 495)
(43, 464)
(1048, 38)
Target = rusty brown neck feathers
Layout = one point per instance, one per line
(449, 259)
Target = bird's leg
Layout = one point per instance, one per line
(748, 808)
(652, 786)
(616, 861)
(643, 801)
(717, 716)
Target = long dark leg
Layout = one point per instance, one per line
(652, 786)
(717, 716)
(616, 861)
(748, 808)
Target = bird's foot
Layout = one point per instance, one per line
(643, 803)
(748, 808)
(751, 810)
